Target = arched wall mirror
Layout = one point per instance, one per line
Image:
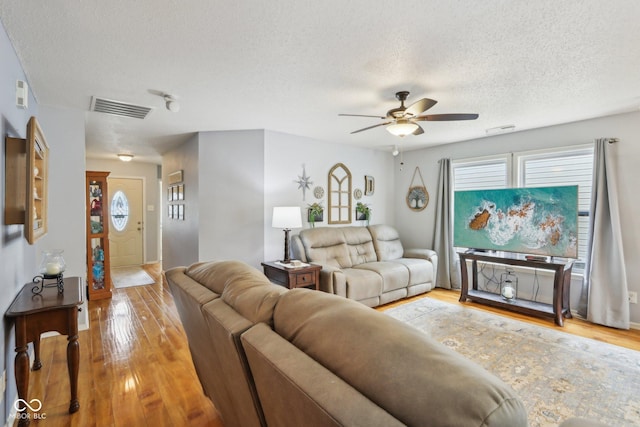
(339, 195)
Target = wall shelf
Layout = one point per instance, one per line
(26, 182)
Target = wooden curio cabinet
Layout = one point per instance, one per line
(98, 266)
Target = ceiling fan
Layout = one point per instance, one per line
(403, 120)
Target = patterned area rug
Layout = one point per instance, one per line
(557, 375)
(124, 277)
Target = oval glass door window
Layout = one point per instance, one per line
(119, 210)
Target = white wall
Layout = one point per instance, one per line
(17, 257)
(231, 196)
(242, 175)
(148, 171)
(284, 156)
(180, 238)
(417, 229)
(64, 131)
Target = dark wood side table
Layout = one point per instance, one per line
(38, 313)
(296, 277)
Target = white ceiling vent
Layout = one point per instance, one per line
(118, 108)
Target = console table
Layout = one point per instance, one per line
(561, 267)
(38, 313)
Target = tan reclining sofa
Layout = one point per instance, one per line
(366, 264)
(269, 356)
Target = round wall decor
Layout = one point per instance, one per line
(318, 192)
(357, 194)
(417, 196)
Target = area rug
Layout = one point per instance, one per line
(557, 375)
(124, 277)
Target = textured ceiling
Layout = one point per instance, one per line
(293, 65)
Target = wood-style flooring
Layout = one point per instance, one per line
(136, 370)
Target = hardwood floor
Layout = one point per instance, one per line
(136, 370)
(135, 366)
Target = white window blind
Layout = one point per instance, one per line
(480, 175)
(573, 167)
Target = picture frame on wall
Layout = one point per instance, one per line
(369, 185)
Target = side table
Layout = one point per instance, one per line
(38, 313)
(293, 277)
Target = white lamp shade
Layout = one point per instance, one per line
(287, 217)
(402, 127)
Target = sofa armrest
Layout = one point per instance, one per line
(427, 254)
(333, 281)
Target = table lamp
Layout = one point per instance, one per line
(287, 217)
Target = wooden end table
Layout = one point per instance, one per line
(293, 277)
(36, 314)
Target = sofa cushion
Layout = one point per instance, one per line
(419, 271)
(396, 366)
(362, 284)
(297, 391)
(386, 241)
(360, 245)
(326, 246)
(253, 297)
(215, 275)
(394, 275)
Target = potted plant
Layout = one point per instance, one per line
(363, 212)
(315, 213)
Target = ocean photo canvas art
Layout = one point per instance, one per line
(539, 221)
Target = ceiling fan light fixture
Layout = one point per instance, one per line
(402, 127)
(125, 157)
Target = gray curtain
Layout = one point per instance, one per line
(604, 298)
(448, 261)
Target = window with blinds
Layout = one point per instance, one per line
(539, 169)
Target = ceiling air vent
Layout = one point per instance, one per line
(118, 108)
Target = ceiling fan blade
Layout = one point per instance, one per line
(370, 127)
(418, 131)
(362, 115)
(420, 106)
(445, 117)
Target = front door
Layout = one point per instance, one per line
(126, 226)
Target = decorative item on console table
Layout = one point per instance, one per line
(51, 268)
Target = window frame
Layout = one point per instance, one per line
(515, 171)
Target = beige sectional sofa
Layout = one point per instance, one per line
(366, 264)
(269, 356)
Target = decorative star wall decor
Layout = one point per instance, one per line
(304, 182)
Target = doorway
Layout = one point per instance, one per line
(126, 228)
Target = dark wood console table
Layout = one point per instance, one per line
(38, 313)
(561, 267)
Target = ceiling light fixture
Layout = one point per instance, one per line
(402, 127)
(125, 157)
(171, 103)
